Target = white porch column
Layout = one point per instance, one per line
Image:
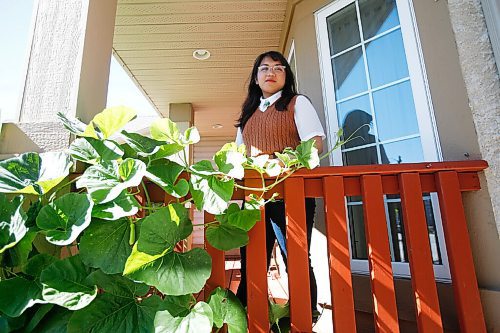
(68, 68)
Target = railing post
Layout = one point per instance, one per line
(468, 302)
(257, 295)
(218, 276)
(379, 258)
(298, 257)
(338, 255)
(417, 242)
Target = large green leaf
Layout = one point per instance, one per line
(38, 263)
(55, 321)
(12, 222)
(230, 161)
(165, 175)
(167, 151)
(111, 120)
(191, 136)
(33, 173)
(17, 256)
(208, 191)
(227, 309)
(108, 180)
(307, 154)
(65, 218)
(122, 206)
(163, 229)
(165, 129)
(119, 309)
(199, 320)
(226, 237)
(37, 317)
(77, 127)
(243, 219)
(63, 284)
(106, 149)
(105, 245)
(142, 144)
(178, 306)
(117, 284)
(82, 150)
(278, 312)
(172, 273)
(18, 294)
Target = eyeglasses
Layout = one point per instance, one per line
(277, 69)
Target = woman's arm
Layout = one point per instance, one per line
(308, 123)
(319, 143)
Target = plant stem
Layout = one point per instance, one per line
(146, 193)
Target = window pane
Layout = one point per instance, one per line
(406, 151)
(356, 121)
(386, 59)
(395, 111)
(361, 156)
(396, 232)
(349, 74)
(343, 29)
(433, 238)
(377, 16)
(357, 228)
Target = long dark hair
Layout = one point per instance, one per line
(254, 92)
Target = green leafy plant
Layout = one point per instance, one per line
(98, 259)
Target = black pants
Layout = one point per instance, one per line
(276, 230)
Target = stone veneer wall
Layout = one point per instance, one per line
(481, 76)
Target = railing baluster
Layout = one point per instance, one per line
(218, 276)
(298, 258)
(338, 254)
(417, 242)
(257, 295)
(468, 302)
(379, 258)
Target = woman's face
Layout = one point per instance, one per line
(270, 76)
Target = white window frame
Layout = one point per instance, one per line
(423, 107)
(293, 54)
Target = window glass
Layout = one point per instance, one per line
(349, 73)
(343, 29)
(386, 59)
(377, 16)
(405, 151)
(395, 111)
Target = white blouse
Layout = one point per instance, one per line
(306, 118)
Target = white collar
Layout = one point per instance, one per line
(265, 102)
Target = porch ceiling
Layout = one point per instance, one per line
(155, 39)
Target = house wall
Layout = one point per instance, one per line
(456, 132)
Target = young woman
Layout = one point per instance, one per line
(274, 117)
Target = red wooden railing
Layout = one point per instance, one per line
(448, 179)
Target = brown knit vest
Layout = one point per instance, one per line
(271, 131)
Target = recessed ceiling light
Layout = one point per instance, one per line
(201, 54)
(217, 126)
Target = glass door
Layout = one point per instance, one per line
(374, 88)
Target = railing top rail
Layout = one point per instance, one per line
(385, 169)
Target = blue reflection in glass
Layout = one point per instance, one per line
(406, 151)
(395, 111)
(386, 59)
(377, 16)
(349, 74)
(343, 29)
